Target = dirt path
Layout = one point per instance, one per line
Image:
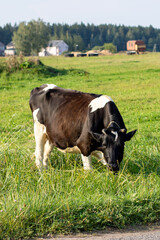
(151, 232)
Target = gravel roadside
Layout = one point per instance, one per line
(151, 232)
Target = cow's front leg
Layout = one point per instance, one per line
(100, 156)
(47, 150)
(87, 164)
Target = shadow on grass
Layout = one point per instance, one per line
(20, 77)
(48, 72)
(146, 165)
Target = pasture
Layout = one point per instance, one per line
(65, 198)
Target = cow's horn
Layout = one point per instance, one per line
(103, 131)
(123, 130)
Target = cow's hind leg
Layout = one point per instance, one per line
(47, 150)
(40, 141)
(87, 164)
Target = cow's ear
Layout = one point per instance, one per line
(129, 135)
(96, 136)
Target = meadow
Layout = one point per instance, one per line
(65, 198)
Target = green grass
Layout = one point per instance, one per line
(66, 199)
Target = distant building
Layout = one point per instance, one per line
(54, 48)
(2, 48)
(136, 46)
(10, 49)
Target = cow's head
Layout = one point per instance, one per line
(111, 142)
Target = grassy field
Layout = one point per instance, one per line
(66, 199)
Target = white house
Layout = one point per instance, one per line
(10, 49)
(2, 48)
(54, 48)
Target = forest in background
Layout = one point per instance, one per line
(84, 37)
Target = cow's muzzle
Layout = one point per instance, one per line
(113, 167)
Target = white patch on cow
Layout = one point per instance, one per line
(100, 156)
(74, 149)
(99, 102)
(87, 164)
(41, 127)
(35, 112)
(116, 135)
(49, 86)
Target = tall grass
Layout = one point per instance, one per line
(65, 198)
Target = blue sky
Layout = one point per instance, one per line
(120, 12)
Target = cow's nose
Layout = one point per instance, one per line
(113, 167)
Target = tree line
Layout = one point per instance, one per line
(36, 34)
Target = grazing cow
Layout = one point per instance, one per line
(77, 122)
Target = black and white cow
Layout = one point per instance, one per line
(77, 122)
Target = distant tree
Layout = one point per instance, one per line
(150, 44)
(78, 43)
(107, 46)
(121, 44)
(158, 41)
(100, 48)
(6, 33)
(31, 37)
(109, 35)
(21, 40)
(85, 36)
(111, 47)
(117, 41)
(130, 35)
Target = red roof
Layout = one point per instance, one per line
(138, 42)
